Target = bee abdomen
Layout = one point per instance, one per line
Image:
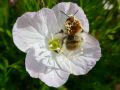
(72, 45)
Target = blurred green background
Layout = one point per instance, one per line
(104, 19)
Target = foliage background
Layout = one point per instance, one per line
(104, 25)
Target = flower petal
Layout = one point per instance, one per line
(70, 8)
(84, 59)
(79, 62)
(25, 33)
(54, 78)
(68, 65)
(47, 16)
(36, 68)
(91, 47)
(33, 27)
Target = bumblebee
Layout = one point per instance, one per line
(71, 33)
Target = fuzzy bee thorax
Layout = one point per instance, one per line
(72, 25)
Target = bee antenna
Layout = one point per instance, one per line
(64, 13)
(75, 13)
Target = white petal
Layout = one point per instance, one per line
(36, 68)
(60, 16)
(69, 66)
(70, 8)
(47, 18)
(84, 60)
(25, 33)
(33, 27)
(33, 66)
(54, 78)
(91, 47)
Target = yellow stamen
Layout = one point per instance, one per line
(54, 44)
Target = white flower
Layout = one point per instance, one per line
(34, 34)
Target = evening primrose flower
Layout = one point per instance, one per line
(35, 34)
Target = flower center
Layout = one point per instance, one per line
(54, 44)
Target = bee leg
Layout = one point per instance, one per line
(61, 31)
(62, 42)
(56, 51)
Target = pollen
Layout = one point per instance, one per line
(54, 44)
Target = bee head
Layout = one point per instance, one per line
(72, 25)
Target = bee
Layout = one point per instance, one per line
(71, 33)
